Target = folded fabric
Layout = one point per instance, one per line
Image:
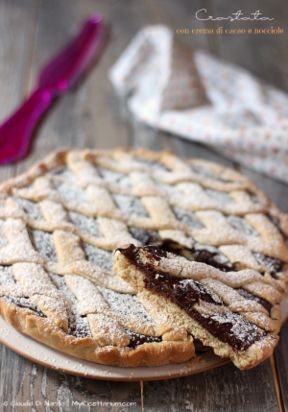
(196, 96)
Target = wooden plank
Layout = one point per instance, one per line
(90, 116)
(82, 117)
(43, 389)
(70, 123)
(281, 360)
(16, 23)
(104, 126)
(224, 389)
(17, 29)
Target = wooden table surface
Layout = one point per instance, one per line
(91, 116)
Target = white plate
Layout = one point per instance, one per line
(48, 357)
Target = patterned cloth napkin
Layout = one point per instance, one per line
(196, 96)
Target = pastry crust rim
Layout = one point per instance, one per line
(147, 354)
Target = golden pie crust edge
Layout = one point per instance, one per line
(148, 354)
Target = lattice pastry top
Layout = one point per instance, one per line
(61, 221)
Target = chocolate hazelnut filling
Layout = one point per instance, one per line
(228, 327)
(276, 221)
(25, 304)
(78, 326)
(137, 339)
(273, 264)
(197, 253)
(199, 347)
(212, 259)
(247, 295)
(144, 236)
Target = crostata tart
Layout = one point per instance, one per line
(132, 257)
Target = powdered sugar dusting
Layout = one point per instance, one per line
(6, 276)
(200, 170)
(222, 197)
(212, 249)
(198, 286)
(168, 189)
(3, 241)
(78, 325)
(273, 264)
(32, 209)
(126, 305)
(85, 224)
(130, 205)
(70, 193)
(242, 225)
(43, 243)
(114, 177)
(144, 236)
(99, 257)
(188, 218)
(24, 303)
(244, 332)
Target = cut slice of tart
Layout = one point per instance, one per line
(214, 306)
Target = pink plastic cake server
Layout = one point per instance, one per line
(54, 79)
